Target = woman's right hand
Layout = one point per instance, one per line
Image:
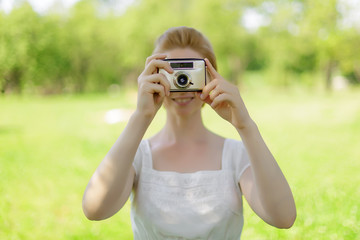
(152, 85)
(111, 185)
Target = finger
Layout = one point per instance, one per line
(162, 79)
(207, 100)
(198, 94)
(219, 99)
(159, 78)
(155, 64)
(207, 89)
(155, 56)
(157, 89)
(214, 93)
(211, 69)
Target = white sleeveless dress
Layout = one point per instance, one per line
(199, 205)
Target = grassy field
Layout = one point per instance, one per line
(50, 146)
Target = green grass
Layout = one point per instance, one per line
(50, 146)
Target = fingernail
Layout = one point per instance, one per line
(201, 96)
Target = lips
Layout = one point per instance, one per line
(183, 100)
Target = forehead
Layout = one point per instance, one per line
(183, 53)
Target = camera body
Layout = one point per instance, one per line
(189, 74)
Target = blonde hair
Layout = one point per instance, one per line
(185, 37)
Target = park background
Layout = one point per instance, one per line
(68, 85)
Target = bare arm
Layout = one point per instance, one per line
(263, 184)
(111, 184)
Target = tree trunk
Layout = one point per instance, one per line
(357, 73)
(12, 81)
(329, 74)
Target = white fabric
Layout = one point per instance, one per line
(199, 205)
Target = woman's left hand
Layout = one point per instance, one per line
(225, 99)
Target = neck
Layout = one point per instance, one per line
(184, 128)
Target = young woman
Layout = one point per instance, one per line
(186, 182)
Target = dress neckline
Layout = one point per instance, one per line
(152, 169)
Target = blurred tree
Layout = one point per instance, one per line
(101, 42)
(81, 32)
(285, 49)
(320, 24)
(349, 52)
(17, 38)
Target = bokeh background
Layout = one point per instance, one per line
(68, 73)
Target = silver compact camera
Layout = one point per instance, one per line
(189, 74)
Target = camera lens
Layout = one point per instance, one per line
(182, 80)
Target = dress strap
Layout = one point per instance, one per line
(147, 159)
(225, 161)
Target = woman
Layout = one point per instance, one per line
(187, 182)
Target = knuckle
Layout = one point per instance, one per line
(148, 60)
(155, 77)
(157, 63)
(151, 62)
(140, 79)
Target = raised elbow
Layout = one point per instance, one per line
(92, 212)
(91, 215)
(287, 222)
(286, 225)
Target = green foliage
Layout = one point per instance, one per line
(91, 46)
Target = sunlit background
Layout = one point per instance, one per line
(68, 73)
